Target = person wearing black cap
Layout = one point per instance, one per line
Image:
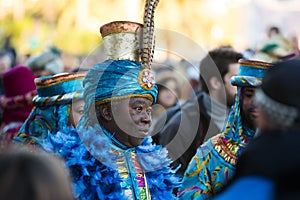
(271, 161)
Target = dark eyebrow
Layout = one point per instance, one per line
(249, 89)
(137, 101)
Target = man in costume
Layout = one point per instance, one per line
(121, 93)
(271, 161)
(188, 125)
(112, 156)
(214, 163)
(58, 105)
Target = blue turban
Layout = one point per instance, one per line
(51, 106)
(250, 73)
(118, 79)
(114, 80)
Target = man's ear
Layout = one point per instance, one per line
(215, 83)
(105, 111)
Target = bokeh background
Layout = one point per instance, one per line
(73, 25)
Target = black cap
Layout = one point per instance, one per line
(282, 82)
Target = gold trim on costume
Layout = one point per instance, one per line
(148, 96)
(254, 63)
(121, 46)
(226, 151)
(121, 40)
(119, 27)
(59, 78)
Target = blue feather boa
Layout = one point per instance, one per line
(93, 179)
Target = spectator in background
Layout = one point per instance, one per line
(32, 176)
(275, 48)
(193, 75)
(185, 127)
(46, 63)
(16, 102)
(168, 93)
(79, 69)
(7, 61)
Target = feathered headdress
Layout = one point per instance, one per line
(148, 39)
(129, 47)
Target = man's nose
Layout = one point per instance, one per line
(146, 117)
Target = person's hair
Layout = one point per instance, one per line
(276, 114)
(28, 175)
(10, 55)
(79, 69)
(274, 29)
(221, 57)
(161, 84)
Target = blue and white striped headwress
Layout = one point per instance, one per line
(57, 99)
(250, 74)
(59, 89)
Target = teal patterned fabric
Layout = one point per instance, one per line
(113, 79)
(99, 171)
(214, 163)
(62, 87)
(119, 79)
(51, 109)
(249, 76)
(206, 174)
(209, 170)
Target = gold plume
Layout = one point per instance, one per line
(148, 40)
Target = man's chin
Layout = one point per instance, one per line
(136, 141)
(254, 115)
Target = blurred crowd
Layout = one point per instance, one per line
(204, 115)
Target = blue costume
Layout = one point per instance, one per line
(214, 163)
(141, 172)
(270, 162)
(95, 172)
(52, 106)
(102, 167)
(103, 170)
(121, 172)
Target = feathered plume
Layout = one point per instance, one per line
(148, 41)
